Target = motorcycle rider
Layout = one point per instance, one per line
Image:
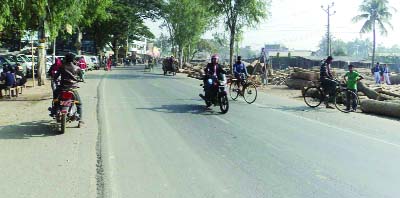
(68, 73)
(213, 72)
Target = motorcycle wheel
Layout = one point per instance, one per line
(224, 104)
(63, 123)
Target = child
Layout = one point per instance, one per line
(351, 78)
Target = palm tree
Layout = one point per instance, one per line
(374, 13)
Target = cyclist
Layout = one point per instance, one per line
(327, 81)
(351, 78)
(240, 71)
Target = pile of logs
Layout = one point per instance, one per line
(301, 78)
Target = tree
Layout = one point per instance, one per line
(374, 13)
(186, 25)
(238, 14)
(124, 21)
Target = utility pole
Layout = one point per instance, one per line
(329, 13)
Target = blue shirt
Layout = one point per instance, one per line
(376, 69)
(239, 68)
(10, 79)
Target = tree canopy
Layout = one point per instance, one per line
(374, 13)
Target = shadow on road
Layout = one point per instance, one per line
(182, 108)
(296, 108)
(26, 130)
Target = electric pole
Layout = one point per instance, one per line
(329, 13)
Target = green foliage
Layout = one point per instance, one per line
(186, 21)
(374, 13)
(238, 14)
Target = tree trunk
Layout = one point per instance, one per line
(231, 48)
(180, 57)
(374, 44)
(370, 93)
(79, 42)
(42, 54)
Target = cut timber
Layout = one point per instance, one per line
(298, 83)
(381, 108)
(395, 79)
(311, 76)
(370, 93)
(390, 93)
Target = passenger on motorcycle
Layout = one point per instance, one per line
(68, 73)
(240, 71)
(213, 73)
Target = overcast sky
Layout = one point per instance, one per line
(302, 24)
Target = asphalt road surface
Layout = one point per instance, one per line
(160, 141)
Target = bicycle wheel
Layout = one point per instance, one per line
(345, 100)
(250, 93)
(313, 96)
(234, 90)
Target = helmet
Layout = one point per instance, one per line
(69, 57)
(215, 56)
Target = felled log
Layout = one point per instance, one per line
(298, 83)
(381, 108)
(370, 93)
(389, 93)
(395, 79)
(305, 75)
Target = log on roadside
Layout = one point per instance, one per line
(311, 76)
(370, 93)
(390, 109)
(395, 79)
(389, 93)
(298, 83)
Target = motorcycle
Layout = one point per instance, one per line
(216, 94)
(66, 110)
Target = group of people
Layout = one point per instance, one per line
(215, 72)
(329, 83)
(12, 77)
(381, 74)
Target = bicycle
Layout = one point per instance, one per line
(315, 95)
(248, 91)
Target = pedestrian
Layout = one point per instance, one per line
(109, 63)
(19, 76)
(376, 72)
(386, 74)
(351, 78)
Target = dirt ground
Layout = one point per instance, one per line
(14, 109)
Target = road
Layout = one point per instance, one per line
(158, 140)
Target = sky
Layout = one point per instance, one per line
(301, 24)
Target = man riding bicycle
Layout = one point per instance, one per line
(240, 71)
(327, 81)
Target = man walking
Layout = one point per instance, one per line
(386, 76)
(376, 72)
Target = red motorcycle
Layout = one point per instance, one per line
(66, 110)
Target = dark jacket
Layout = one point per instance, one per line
(209, 71)
(325, 71)
(68, 73)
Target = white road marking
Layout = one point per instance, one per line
(334, 127)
